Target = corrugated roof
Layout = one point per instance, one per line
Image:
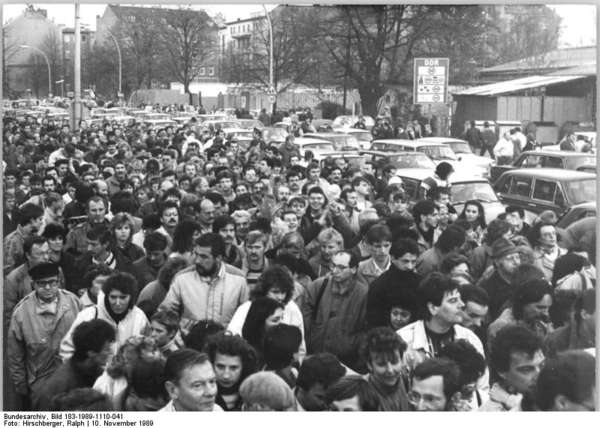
(588, 70)
(557, 59)
(517, 85)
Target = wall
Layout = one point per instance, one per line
(469, 107)
(556, 109)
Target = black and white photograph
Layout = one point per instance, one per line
(297, 208)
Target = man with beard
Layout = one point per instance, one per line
(207, 290)
(38, 324)
(233, 360)
(330, 242)
(401, 273)
(383, 353)
(93, 341)
(190, 382)
(225, 226)
(442, 311)
(516, 356)
(77, 242)
(498, 285)
(530, 308)
(30, 221)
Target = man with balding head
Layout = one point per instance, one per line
(206, 217)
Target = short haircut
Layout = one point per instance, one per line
(514, 209)
(435, 193)
(29, 212)
(450, 238)
(30, 241)
(447, 369)
(383, 340)
(280, 344)
(329, 234)
(222, 221)
(200, 332)
(92, 336)
(168, 205)
(99, 233)
(214, 241)
(402, 246)
(54, 230)
(215, 198)
(94, 272)
(423, 207)
(254, 236)
(323, 368)
(571, 374)
(167, 318)
(155, 241)
(181, 360)
(496, 229)
(451, 260)
(354, 258)
(510, 339)
(82, 399)
(378, 233)
(274, 277)
(96, 199)
(471, 363)
(234, 346)
(432, 290)
(529, 292)
(474, 293)
(352, 386)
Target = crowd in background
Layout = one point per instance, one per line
(175, 270)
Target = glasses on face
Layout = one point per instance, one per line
(44, 283)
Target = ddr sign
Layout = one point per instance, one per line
(430, 80)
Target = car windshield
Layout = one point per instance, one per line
(409, 161)
(460, 148)
(278, 134)
(479, 190)
(362, 136)
(438, 152)
(580, 191)
(578, 161)
(318, 147)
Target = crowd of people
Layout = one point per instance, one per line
(174, 270)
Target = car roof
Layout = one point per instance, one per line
(323, 134)
(416, 143)
(566, 154)
(308, 140)
(345, 153)
(551, 173)
(401, 153)
(423, 173)
(585, 205)
(441, 140)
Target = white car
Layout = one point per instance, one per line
(463, 153)
(349, 121)
(315, 145)
(363, 136)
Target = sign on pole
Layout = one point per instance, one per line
(430, 80)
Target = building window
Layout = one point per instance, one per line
(211, 71)
(202, 71)
(83, 39)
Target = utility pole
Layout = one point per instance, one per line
(347, 64)
(120, 61)
(77, 71)
(272, 92)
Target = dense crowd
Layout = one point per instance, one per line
(174, 270)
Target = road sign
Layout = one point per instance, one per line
(271, 99)
(430, 80)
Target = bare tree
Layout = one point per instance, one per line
(10, 47)
(52, 47)
(189, 39)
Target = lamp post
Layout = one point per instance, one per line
(119, 56)
(47, 63)
(272, 92)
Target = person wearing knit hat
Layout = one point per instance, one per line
(499, 284)
(265, 391)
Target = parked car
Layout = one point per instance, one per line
(353, 159)
(274, 135)
(577, 212)
(250, 124)
(315, 145)
(339, 141)
(540, 189)
(463, 152)
(546, 159)
(363, 136)
(400, 160)
(349, 121)
(463, 187)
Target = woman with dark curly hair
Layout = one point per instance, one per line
(184, 236)
(263, 314)
(474, 214)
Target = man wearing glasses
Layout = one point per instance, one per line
(38, 324)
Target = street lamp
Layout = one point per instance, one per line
(47, 62)
(271, 86)
(119, 56)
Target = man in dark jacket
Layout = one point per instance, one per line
(93, 347)
(401, 273)
(473, 137)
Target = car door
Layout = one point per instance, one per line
(517, 191)
(543, 196)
